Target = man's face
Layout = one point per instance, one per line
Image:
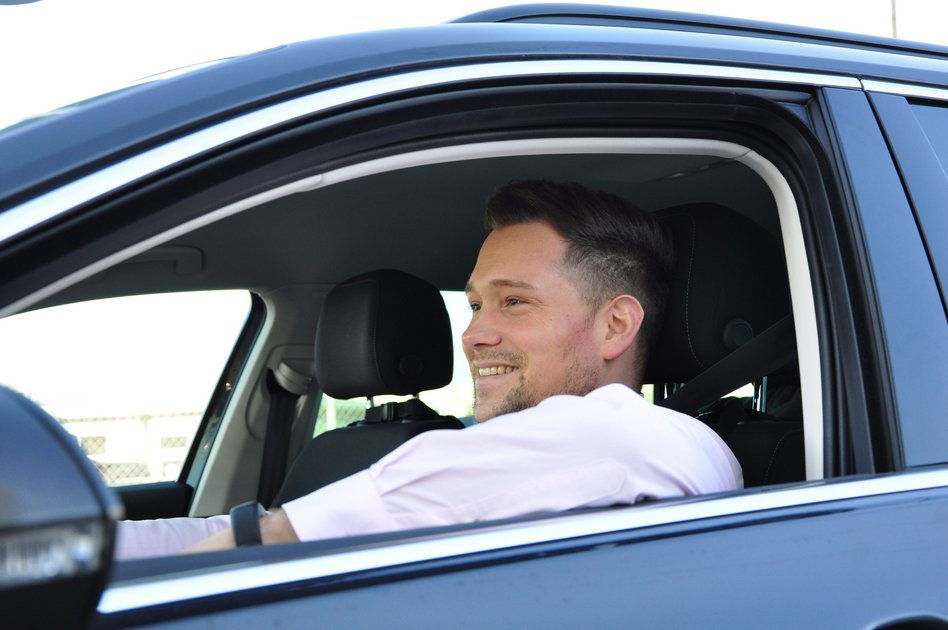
(531, 334)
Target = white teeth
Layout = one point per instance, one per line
(492, 371)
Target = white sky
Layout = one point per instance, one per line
(123, 357)
(56, 52)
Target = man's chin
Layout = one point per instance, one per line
(513, 403)
(482, 412)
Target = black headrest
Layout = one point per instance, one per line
(383, 332)
(730, 283)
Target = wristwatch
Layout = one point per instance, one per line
(245, 523)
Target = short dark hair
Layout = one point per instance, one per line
(613, 247)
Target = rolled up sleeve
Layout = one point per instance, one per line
(347, 507)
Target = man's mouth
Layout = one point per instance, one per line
(495, 370)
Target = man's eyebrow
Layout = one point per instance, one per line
(502, 283)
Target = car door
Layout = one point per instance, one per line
(725, 541)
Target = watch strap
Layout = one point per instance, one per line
(245, 523)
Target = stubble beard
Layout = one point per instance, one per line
(580, 380)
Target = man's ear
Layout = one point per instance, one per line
(622, 319)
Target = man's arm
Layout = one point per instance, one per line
(275, 528)
(164, 536)
(608, 448)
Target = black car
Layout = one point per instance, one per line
(802, 173)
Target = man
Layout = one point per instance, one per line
(566, 296)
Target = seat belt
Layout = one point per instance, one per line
(285, 386)
(768, 351)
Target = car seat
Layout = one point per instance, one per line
(729, 287)
(382, 332)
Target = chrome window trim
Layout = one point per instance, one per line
(165, 590)
(906, 89)
(59, 201)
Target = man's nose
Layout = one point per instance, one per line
(480, 332)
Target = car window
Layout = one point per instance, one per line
(128, 377)
(934, 121)
(928, 184)
(454, 399)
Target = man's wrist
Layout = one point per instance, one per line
(245, 524)
(276, 528)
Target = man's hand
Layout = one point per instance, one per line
(275, 528)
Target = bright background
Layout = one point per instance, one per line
(57, 52)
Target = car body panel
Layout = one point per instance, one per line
(556, 566)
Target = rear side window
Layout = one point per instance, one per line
(934, 121)
(931, 205)
(128, 377)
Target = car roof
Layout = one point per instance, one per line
(605, 15)
(47, 151)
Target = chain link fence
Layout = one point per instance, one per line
(151, 448)
(136, 449)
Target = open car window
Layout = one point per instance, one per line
(434, 198)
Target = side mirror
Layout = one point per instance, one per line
(57, 521)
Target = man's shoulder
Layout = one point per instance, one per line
(618, 392)
(612, 403)
(619, 404)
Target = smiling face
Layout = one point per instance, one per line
(531, 334)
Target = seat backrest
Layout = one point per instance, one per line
(383, 332)
(770, 449)
(729, 285)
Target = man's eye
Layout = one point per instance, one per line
(513, 301)
(475, 306)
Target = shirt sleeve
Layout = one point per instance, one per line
(606, 448)
(166, 536)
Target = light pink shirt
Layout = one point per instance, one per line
(608, 447)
